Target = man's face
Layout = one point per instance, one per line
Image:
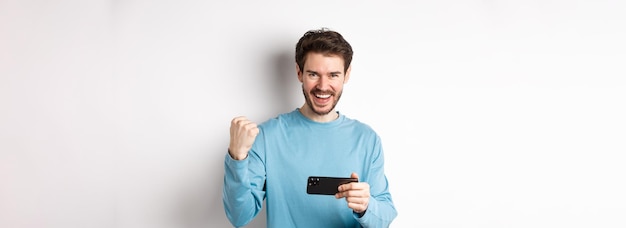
(322, 80)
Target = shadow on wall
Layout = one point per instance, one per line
(286, 90)
(200, 204)
(197, 201)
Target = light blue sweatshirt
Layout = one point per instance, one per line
(289, 149)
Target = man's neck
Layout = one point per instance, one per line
(308, 113)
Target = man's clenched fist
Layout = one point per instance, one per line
(242, 135)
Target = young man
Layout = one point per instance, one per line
(274, 159)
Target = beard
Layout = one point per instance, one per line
(309, 101)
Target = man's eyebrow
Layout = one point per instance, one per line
(315, 72)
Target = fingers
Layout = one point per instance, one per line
(357, 195)
(354, 186)
(243, 132)
(353, 193)
(357, 200)
(354, 175)
(243, 123)
(359, 190)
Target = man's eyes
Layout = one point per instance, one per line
(316, 75)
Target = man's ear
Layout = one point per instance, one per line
(299, 72)
(347, 76)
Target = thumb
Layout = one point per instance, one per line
(354, 175)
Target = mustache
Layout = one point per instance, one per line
(322, 91)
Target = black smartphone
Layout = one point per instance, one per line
(326, 185)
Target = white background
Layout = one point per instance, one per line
(492, 113)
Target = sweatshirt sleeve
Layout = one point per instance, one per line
(244, 180)
(381, 210)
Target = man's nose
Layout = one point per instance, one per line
(323, 83)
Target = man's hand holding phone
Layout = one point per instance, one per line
(357, 194)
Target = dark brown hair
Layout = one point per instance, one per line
(324, 41)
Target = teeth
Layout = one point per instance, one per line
(322, 96)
